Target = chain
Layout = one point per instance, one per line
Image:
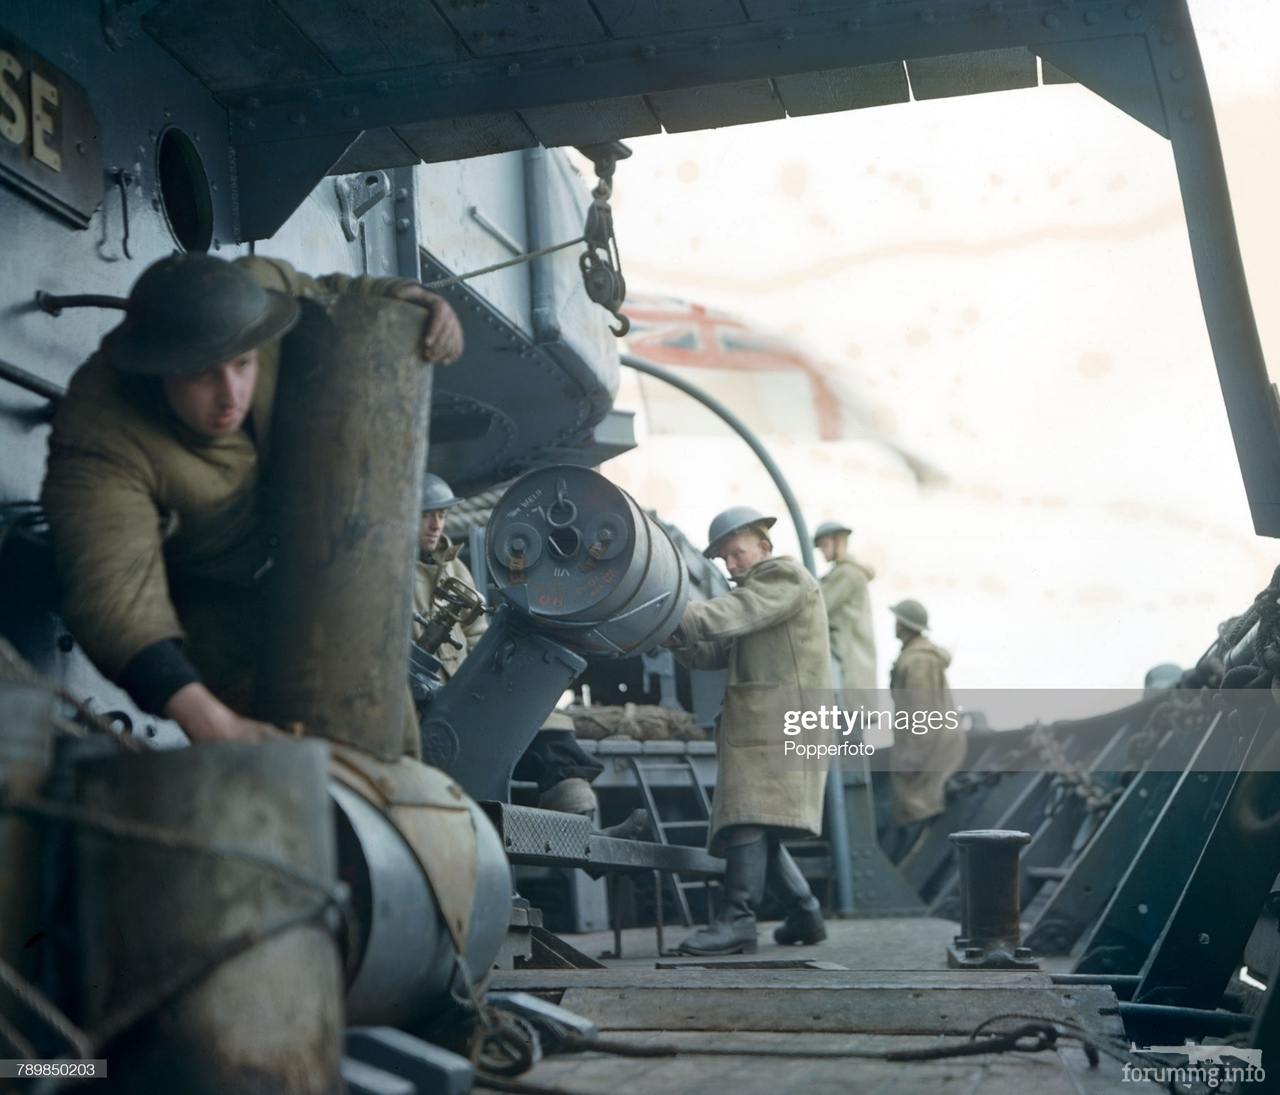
(1069, 778)
(1267, 604)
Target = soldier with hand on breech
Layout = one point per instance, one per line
(152, 483)
(770, 632)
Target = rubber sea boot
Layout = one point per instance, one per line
(803, 923)
(734, 930)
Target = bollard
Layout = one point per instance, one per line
(348, 447)
(990, 932)
(264, 1020)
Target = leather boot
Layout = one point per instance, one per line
(803, 923)
(734, 930)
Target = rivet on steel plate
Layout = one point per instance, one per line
(649, 52)
(713, 44)
(351, 110)
(1177, 72)
(1169, 36)
(253, 102)
(786, 34)
(1091, 18)
(403, 224)
(1052, 21)
(513, 69)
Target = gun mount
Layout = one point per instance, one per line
(582, 570)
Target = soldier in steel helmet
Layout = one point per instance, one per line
(922, 762)
(437, 559)
(770, 632)
(151, 482)
(848, 599)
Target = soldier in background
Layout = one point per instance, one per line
(922, 762)
(848, 601)
(770, 633)
(438, 558)
(152, 483)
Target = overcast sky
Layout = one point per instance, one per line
(1005, 282)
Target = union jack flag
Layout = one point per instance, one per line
(680, 334)
(669, 331)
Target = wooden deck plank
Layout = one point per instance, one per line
(764, 979)
(889, 988)
(877, 1010)
(1012, 1074)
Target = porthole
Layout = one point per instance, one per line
(184, 191)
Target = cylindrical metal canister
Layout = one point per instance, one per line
(266, 1020)
(405, 959)
(574, 552)
(347, 449)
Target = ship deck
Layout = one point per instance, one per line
(874, 985)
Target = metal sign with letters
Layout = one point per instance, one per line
(49, 147)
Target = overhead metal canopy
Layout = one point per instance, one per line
(313, 86)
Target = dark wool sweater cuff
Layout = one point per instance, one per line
(155, 673)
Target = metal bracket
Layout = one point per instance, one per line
(357, 194)
(271, 179)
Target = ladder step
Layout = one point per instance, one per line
(685, 824)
